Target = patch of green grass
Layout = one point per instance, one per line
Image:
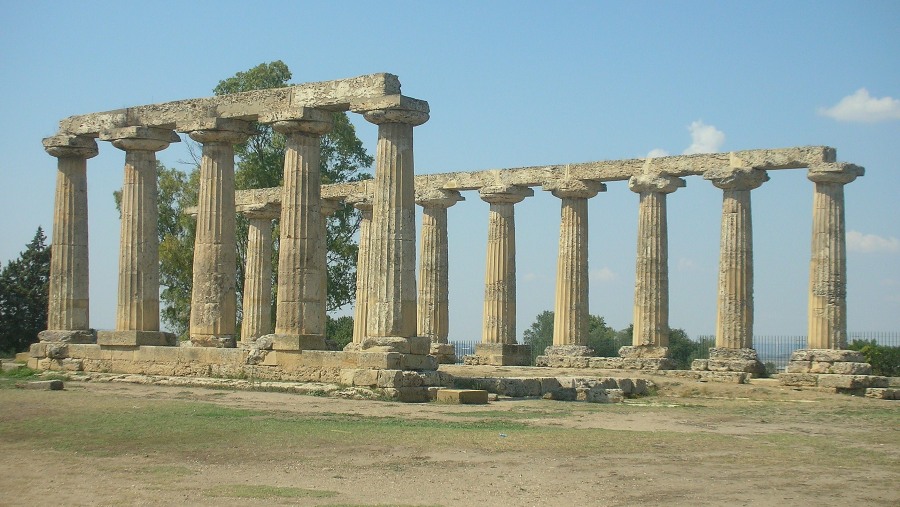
(18, 373)
(264, 492)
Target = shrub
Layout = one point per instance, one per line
(884, 360)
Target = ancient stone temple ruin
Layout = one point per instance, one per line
(400, 333)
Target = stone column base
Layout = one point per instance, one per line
(222, 342)
(725, 359)
(844, 371)
(445, 353)
(68, 336)
(500, 354)
(643, 352)
(565, 356)
(295, 341)
(418, 345)
(136, 338)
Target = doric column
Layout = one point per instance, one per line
(363, 203)
(300, 304)
(570, 324)
(433, 311)
(68, 311)
(137, 310)
(734, 309)
(498, 338)
(651, 287)
(257, 304)
(392, 234)
(828, 262)
(213, 298)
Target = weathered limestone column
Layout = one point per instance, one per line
(433, 311)
(300, 304)
(392, 234)
(68, 312)
(498, 340)
(137, 310)
(363, 203)
(213, 299)
(828, 262)
(734, 309)
(651, 289)
(570, 324)
(257, 304)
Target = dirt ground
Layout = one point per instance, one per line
(691, 444)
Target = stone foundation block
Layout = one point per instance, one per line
(22, 357)
(852, 381)
(700, 364)
(828, 355)
(562, 394)
(606, 363)
(379, 360)
(462, 396)
(42, 385)
(568, 350)
(798, 367)
(408, 394)
(297, 342)
(418, 362)
(644, 351)
(500, 354)
(560, 361)
(358, 377)
(648, 364)
(734, 354)
(135, 338)
(798, 379)
(739, 365)
(68, 336)
(849, 368)
(419, 345)
(445, 353)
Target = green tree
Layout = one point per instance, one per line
(260, 163)
(339, 332)
(540, 334)
(602, 339)
(24, 289)
(683, 350)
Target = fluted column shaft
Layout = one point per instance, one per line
(499, 324)
(433, 305)
(734, 307)
(137, 307)
(392, 234)
(302, 273)
(213, 296)
(651, 286)
(363, 272)
(69, 287)
(257, 304)
(571, 312)
(828, 262)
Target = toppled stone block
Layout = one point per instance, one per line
(42, 385)
(462, 396)
(852, 381)
(883, 393)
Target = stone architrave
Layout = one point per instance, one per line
(137, 310)
(734, 309)
(392, 233)
(433, 304)
(68, 315)
(257, 304)
(213, 299)
(498, 339)
(302, 275)
(363, 203)
(570, 323)
(651, 287)
(827, 328)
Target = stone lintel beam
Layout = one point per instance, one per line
(817, 158)
(335, 95)
(297, 113)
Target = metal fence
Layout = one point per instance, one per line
(774, 349)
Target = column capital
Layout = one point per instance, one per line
(330, 206)
(68, 146)
(573, 188)
(504, 194)
(263, 212)
(362, 202)
(140, 138)
(839, 172)
(655, 183)
(217, 130)
(393, 109)
(316, 125)
(438, 198)
(737, 178)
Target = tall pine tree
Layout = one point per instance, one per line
(24, 286)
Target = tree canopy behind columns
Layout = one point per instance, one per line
(602, 339)
(260, 163)
(24, 287)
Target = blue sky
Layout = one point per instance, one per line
(513, 84)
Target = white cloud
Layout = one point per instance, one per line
(862, 107)
(704, 138)
(529, 277)
(603, 274)
(685, 264)
(657, 152)
(871, 243)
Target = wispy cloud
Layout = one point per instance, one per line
(871, 243)
(704, 138)
(657, 152)
(685, 264)
(862, 107)
(529, 277)
(601, 275)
